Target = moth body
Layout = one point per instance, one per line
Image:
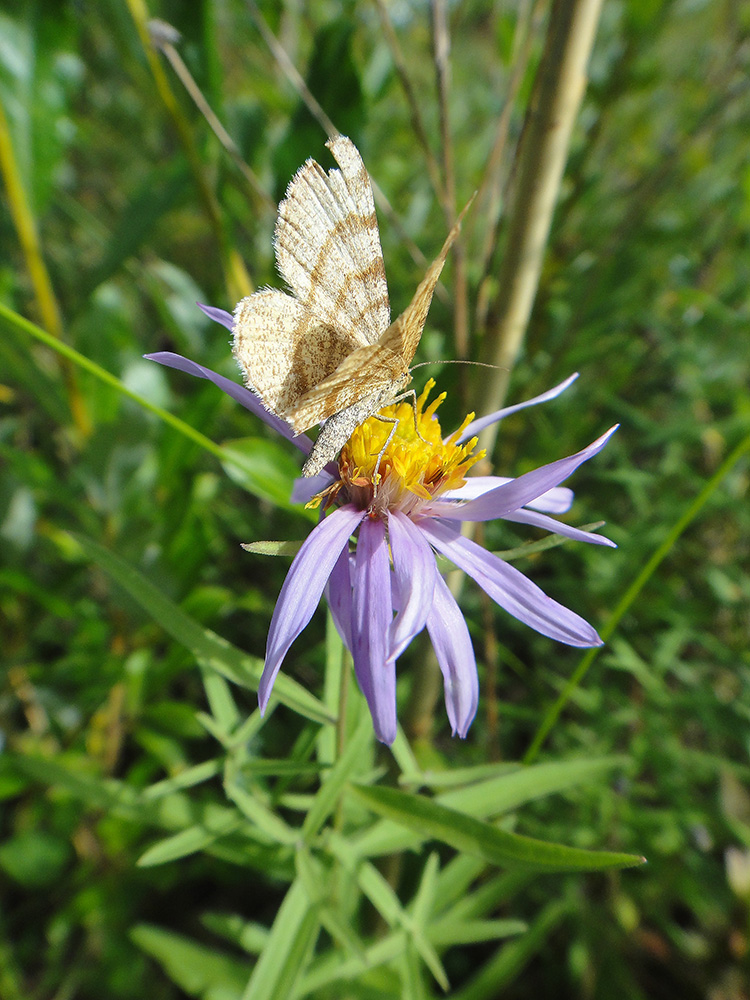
(328, 353)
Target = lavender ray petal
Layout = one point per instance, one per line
(338, 593)
(245, 397)
(509, 588)
(558, 500)
(218, 315)
(558, 527)
(478, 425)
(529, 487)
(455, 654)
(302, 589)
(371, 620)
(415, 572)
(306, 487)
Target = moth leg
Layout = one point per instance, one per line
(401, 398)
(376, 475)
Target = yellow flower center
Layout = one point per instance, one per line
(415, 466)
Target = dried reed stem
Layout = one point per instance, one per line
(557, 95)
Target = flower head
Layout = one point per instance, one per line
(398, 459)
(398, 496)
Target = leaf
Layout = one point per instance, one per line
(509, 960)
(190, 841)
(195, 968)
(264, 468)
(495, 846)
(155, 196)
(512, 785)
(294, 931)
(508, 791)
(209, 648)
(34, 858)
(329, 793)
(387, 903)
(287, 549)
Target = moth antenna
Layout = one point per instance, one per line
(480, 364)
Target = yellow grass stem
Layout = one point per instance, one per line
(46, 301)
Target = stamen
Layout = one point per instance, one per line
(398, 460)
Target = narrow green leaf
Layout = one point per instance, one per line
(497, 847)
(330, 791)
(453, 777)
(205, 645)
(334, 968)
(425, 897)
(509, 960)
(266, 820)
(272, 548)
(194, 967)
(450, 932)
(387, 903)
(188, 778)
(508, 791)
(191, 841)
(511, 787)
(293, 931)
(246, 934)
(265, 468)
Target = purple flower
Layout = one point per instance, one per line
(385, 589)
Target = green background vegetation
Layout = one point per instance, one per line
(116, 528)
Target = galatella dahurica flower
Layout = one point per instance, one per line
(386, 589)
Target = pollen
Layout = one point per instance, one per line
(412, 468)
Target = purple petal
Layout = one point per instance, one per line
(478, 425)
(218, 315)
(302, 588)
(245, 397)
(527, 488)
(510, 588)
(371, 620)
(415, 572)
(557, 527)
(339, 596)
(455, 654)
(305, 488)
(555, 501)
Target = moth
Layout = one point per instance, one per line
(328, 353)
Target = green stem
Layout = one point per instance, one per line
(87, 365)
(632, 592)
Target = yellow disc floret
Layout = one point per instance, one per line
(415, 466)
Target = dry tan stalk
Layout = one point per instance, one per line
(557, 96)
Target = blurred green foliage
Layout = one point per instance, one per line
(122, 743)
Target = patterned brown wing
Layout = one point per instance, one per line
(328, 245)
(367, 371)
(283, 350)
(403, 335)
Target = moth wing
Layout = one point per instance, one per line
(364, 372)
(328, 245)
(403, 335)
(283, 350)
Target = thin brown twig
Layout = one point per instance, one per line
(415, 113)
(560, 82)
(558, 91)
(164, 37)
(442, 47)
(441, 50)
(491, 185)
(293, 76)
